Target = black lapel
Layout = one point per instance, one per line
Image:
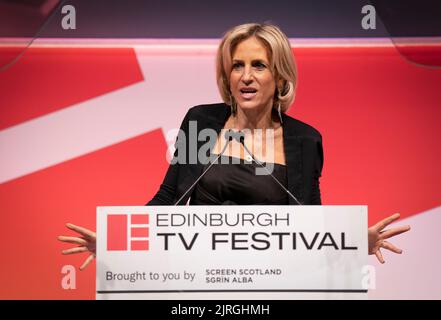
(214, 121)
(293, 154)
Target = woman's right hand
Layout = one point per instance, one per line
(86, 242)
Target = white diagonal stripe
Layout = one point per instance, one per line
(174, 81)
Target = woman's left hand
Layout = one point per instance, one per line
(377, 236)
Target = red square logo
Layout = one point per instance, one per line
(127, 232)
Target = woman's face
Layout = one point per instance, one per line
(252, 83)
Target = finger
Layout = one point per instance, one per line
(379, 256)
(85, 232)
(74, 240)
(389, 246)
(383, 223)
(393, 232)
(87, 262)
(75, 250)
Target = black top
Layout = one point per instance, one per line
(302, 147)
(236, 183)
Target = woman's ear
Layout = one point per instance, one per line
(280, 86)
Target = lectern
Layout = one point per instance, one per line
(231, 252)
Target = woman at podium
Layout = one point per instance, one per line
(257, 79)
(257, 154)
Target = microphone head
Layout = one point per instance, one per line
(229, 135)
(242, 137)
(239, 136)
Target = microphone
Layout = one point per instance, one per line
(240, 137)
(229, 135)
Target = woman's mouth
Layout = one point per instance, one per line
(248, 93)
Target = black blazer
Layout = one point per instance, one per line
(303, 153)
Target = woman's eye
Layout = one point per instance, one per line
(259, 65)
(236, 65)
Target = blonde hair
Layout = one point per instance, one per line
(281, 59)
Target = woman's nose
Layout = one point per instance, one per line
(247, 75)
